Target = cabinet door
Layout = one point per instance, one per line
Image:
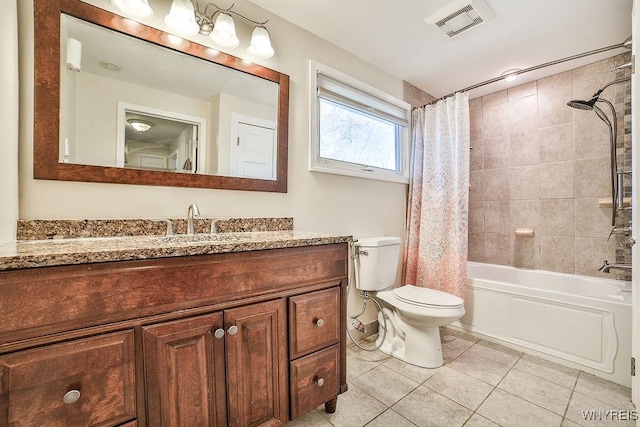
(87, 382)
(257, 364)
(184, 368)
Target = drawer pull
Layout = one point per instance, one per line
(319, 382)
(219, 333)
(319, 322)
(71, 396)
(232, 330)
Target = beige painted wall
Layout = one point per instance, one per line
(319, 202)
(8, 121)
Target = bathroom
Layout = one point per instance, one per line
(346, 205)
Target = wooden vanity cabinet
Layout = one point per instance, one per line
(249, 338)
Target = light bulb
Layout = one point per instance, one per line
(224, 32)
(260, 46)
(136, 9)
(182, 19)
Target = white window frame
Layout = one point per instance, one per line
(319, 164)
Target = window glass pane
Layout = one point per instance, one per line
(351, 136)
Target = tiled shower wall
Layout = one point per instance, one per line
(536, 163)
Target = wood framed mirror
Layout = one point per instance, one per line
(68, 140)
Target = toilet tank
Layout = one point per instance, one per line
(377, 263)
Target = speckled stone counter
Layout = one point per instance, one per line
(43, 253)
(88, 228)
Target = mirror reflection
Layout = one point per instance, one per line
(133, 104)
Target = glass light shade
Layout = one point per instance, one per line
(140, 125)
(136, 9)
(224, 32)
(260, 46)
(510, 75)
(182, 18)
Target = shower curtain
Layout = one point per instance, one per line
(437, 219)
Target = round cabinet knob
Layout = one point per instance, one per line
(232, 330)
(219, 333)
(71, 396)
(319, 382)
(319, 322)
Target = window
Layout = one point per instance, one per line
(356, 129)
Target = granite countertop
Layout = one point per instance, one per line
(55, 252)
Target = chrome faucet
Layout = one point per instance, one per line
(606, 267)
(192, 212)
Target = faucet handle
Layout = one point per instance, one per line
(169, 231)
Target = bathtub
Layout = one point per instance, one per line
(577, 321)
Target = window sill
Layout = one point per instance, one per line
(359, 173)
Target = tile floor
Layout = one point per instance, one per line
(480, 384)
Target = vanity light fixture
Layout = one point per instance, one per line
(136, 9)
(510, 75)
(140, 125)
(187, 18)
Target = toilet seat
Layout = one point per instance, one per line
(425, 297)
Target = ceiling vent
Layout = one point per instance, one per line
(460, 16)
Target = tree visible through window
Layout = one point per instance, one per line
(356, 129)
(352, 136)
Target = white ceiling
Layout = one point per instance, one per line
(524, 33)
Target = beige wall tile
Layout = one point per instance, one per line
(524, 148)
(591, 138)
(553, 109)
(556, 180)
(523, 114)
(555, 253)
(476, 186)
(497, 248)
(475, 104)
(557, 217)
(476, 160)
(588, 71)
(496, 152)
(592, 178)
(525, 214)
(525, 252)
(591, 253)
(585, 89)
(475, 118)
(556, 82)
(522, 90)
(497, 217)
(494, 99)
(556, 143)
(476, 217)
(495, 120)
(525, 182)
(496, 184)
(476, 247)
(591, 219)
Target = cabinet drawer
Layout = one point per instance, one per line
(94, 375)
(314, 380)
(314, 321)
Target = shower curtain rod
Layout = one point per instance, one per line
(536, 67)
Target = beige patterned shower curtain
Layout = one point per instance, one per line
(437, 219)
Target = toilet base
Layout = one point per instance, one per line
(420, 347)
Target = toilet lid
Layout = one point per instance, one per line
(427, 297)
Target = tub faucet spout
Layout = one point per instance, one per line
(193, 211)
(606, 267)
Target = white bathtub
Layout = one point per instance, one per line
(578, 321)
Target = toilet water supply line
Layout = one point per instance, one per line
(354, 278)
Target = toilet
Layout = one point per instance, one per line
(413, 314)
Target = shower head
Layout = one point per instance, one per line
(582, 105)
